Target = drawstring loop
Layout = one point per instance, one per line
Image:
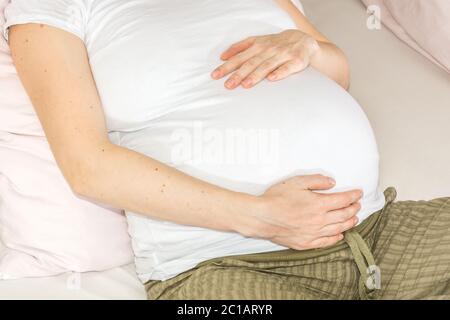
(370, 274)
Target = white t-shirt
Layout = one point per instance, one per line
(152, 61)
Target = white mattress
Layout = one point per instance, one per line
(407, 99)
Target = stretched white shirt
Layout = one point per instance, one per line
(152, 60)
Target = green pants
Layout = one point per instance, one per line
(401, 252)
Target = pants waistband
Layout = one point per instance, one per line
(369, 273)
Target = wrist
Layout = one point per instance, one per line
(244, 219)
(316, 52)
(331, 60)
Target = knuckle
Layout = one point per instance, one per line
(266, 65)
(250, 64)
(332, 201)
(298, 62)
(236, 76)
(322, 206)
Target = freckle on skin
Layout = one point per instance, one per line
(41, 25)
(156, 169)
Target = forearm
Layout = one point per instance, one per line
(136, 183)
(331, 61)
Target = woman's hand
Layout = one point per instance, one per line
(292, 215)
(274, 57)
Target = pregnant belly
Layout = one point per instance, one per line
(248, 140)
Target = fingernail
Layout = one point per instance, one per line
(272, 77)
(216, 74)
(332, 181)
(230, 84)
(247, 83)
(358, 195)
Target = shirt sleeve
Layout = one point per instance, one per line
(68, 15)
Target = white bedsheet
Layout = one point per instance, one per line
(116, 284)
(406, 98)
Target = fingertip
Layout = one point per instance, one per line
(230, 85)
(272, 77)
(360, 193)
(356, 195)
(215, 75)
(247, 83)
(224, 56)
(331, 181)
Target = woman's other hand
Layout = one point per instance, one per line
(291, 214)
(273, 57)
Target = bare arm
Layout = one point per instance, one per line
(330, 60)
(54, 68)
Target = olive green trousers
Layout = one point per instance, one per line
(401, 252)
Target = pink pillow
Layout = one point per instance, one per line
(45, 228)
(16, 113)
(422, 24)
